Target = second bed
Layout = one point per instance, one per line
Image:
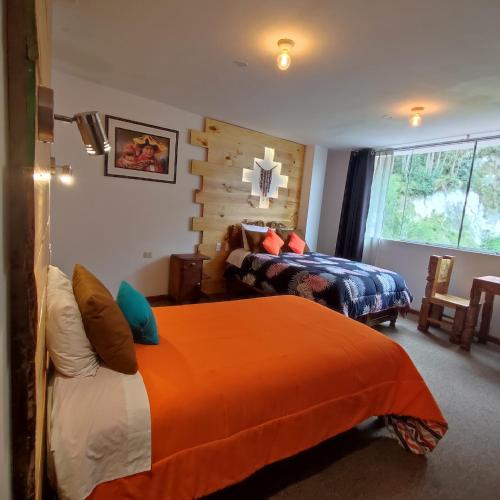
(355, 289)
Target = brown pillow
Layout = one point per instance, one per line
(255, 239)
(285, 234)
(105, 325)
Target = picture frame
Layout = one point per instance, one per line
(141, 151)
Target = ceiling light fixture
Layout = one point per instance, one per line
(416, 116)
(284, 59)
(90, 126)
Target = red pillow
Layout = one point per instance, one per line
(272, 243)
(296, 244)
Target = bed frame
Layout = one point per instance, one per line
(235, 286)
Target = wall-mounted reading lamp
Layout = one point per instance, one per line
(91, 129)
(89, 124)
(63, 172)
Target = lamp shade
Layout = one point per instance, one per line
(92, 132)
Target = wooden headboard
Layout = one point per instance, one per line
(227, 200)
(234, 236)
(28, 66)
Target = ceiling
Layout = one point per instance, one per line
(358, 66)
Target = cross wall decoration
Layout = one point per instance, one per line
(265, 177)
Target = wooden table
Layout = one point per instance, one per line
(490, 285)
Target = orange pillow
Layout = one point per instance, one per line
(296, 244)
(285, 234)
(272, 243)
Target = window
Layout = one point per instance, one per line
(446, 196)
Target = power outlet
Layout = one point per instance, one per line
(148, 255)
(218, 246)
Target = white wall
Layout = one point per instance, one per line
(106, 223)
(5, 492)
(311, 196)
(333, 195)
(411, 260)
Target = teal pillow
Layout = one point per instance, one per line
(138, 313)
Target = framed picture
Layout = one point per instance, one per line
(141, 151)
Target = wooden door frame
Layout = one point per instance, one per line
(22, 56)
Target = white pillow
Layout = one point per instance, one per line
(251, 227)
(68, 346)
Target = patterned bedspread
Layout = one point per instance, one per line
(352, 288)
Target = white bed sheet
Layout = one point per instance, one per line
(99, 429)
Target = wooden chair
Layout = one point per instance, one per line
(437, 298)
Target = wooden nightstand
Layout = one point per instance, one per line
(186, 270)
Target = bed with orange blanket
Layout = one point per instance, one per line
(234, 386)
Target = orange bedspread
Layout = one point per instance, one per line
(234, 386)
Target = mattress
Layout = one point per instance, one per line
(234, 386)
(352, 288)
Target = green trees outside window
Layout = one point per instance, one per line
(446, 197)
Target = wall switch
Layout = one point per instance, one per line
(218, 246)
(147, 255)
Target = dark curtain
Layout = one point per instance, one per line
(355, 205)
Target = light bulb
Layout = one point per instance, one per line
(284, 59)
(66, 175)
(66, 179)
(416, 120)
(416, 117)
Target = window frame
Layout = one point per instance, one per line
(441, 148)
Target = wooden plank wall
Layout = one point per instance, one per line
(226, 199)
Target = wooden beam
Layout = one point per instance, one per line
(218, 169)
(222, 129)
(28, 66)
(21, 88)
